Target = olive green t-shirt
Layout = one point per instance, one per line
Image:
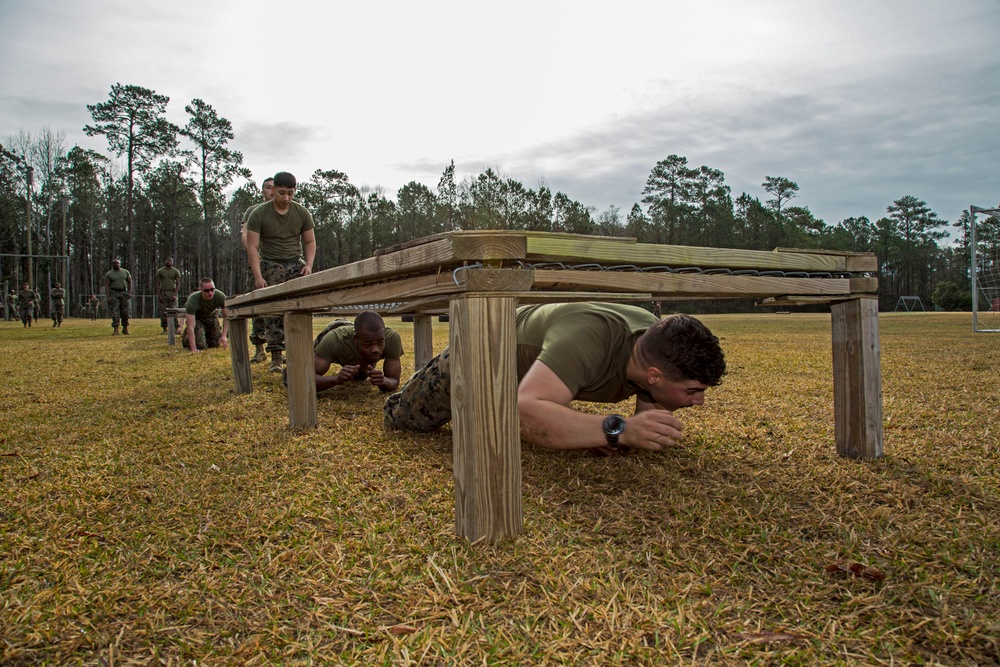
(280, 235)
(587, 345)
(119, 279)
(167, 279)
(338, 346)
(58, 295)
(26, 296)
(204, 309)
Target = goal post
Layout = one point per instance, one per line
(985, 270)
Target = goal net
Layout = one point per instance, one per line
(985, 268)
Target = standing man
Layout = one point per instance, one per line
(58, 295)
(168, 281)
(12, 310)
(595, 352)
(118, 288)
(358, 349)
(257, 329)
(95, 303)
(281, 245)
(26, 299)
(201, 328)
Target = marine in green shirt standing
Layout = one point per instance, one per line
(168, 281)
(118, 287)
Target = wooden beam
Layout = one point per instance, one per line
(423, 340)
(301, 372)
(606, 251)
(485, 430)
(857, 378)
(239, 356)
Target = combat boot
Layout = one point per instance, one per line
(125, 331)
(276, 361)
(164, 331)
(260, 355)
(115, 333)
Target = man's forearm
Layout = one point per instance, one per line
(310, 253)
(556, 426)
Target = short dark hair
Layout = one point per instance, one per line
(264, 182)
(207, 280)
(684, 349)
(284, 180)
(369, 321)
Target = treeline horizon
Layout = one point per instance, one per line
(170, 194)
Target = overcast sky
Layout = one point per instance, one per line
(858, 101)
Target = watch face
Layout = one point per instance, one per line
(614, 425)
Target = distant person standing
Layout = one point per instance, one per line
(257, 329)
(201, 329)
(58, 295)
(118, 289)
(95, 303)
(281, 245)
(12, 310)
(168, 281)
(26, 299)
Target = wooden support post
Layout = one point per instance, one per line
(171, 330)
(239, 354)
(301, 372)
(485, 429)
(423, 340)
(857, 378)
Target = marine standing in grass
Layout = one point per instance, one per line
(12, 310)
(58, 295)
(257, 323)
(26, 299)
(168, 281)
(281, 245)
(95, 303)
(118, 288)
(201, 328)
(358, 348)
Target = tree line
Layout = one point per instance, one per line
(169, 191)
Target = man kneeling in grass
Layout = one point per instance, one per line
(358, 349)
(201, 327)
(597, 352)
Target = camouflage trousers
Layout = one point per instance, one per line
(26, 313)
(57, 313)
(167, 298)
(272, 329)
(207, 333)
(424, 402)
(118, 307)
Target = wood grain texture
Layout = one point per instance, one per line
(423, 340)
(857, 378)
(485, 429)
(301, 373)
(239, 356)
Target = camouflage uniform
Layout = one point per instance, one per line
(207, 333)
(167, 298)
(95, 303)
(58, 305)
(26, 305)
(275, 273)
(118, 305)
(424, 402)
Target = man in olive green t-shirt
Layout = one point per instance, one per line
(118, 287)
(201, 328)
(26, 299)
(168, 281)
(281, 245)
(597, 352)
(58, 295)
(358, 348)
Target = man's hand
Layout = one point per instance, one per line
(260, 283)
(651, 429)
(224, 342)
(306, 270)
(347, 373)
(376, 378)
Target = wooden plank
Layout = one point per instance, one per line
(301, 373)
(854, 262)
(441, 284)
(857, 378)
(239, 356)
(171, 331)
(485, 431)
(686, 285)
(602, 251)
(423, 340)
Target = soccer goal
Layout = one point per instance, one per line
(985, 245)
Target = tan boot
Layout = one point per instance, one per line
(276, 362)
(260, 355)
(115, 333)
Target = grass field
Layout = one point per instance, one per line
(150, 516)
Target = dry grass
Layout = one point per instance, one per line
(149, 516)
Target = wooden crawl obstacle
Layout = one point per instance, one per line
(480, 277)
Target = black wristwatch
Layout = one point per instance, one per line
(613, 427)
